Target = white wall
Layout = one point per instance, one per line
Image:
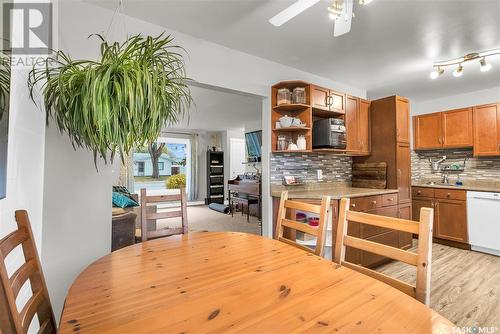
(456, 101)
(76, 213)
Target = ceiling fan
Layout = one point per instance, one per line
(340, 11)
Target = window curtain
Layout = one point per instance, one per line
(193, 184)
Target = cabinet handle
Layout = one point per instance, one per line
(327, 100)
(390, 199)
(419, 192)
(330, 100)
(353, 205)
(374, 202)
(448, 194)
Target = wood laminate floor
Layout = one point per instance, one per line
(465, 285)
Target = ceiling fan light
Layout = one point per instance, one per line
(485, 67)
(459, 71)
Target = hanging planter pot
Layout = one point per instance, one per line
(120, 101)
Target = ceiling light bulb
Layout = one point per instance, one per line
(459, 71)
(436, 73)
(485, 67)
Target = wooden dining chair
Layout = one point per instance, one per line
(319, 232)
(147, 216)
(31, 269)
(421, 259)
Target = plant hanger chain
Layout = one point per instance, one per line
(119, 12)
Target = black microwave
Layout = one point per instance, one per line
(329, 133)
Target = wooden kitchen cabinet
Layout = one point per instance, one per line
(327, 100)
(351, 123)
(449, 129)
(486, 120)
(450, 212)
(402, 120)
(427, 131)
(364, 126)
(403, 165)
(457, 128)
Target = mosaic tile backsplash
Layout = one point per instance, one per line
(304, 166)
(479, 169)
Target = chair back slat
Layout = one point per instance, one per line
(421, 259)
(381, 249)
(147, 216)
(163, 215)
(12, 240)
(398, 284)
(17, 280)
(31, 269)
(284, 221)
(398, 224)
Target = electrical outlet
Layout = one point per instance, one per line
(319, 174)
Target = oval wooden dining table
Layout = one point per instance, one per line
(235, 283)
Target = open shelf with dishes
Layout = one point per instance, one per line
(339, 122)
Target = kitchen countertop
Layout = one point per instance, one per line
(491, 186)
(336, 190)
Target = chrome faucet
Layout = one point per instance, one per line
(435, 164)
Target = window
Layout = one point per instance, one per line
(161, 165)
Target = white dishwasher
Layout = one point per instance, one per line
(483, 220)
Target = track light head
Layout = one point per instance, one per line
(459, 71)
(485, 67)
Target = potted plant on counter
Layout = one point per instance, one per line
(120, 101)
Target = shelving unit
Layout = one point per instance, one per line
(215, 177)
(306, 112)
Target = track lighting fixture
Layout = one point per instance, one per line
(459, 71)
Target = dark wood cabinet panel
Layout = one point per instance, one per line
(364, 126)
(320, 98)
(405, 239)
(486, 126)
(402, 120)
(457, 128)
(403, 165)
(451, 220)
(351, 123)
(419, 203)
(427, 131)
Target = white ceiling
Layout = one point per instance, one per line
(390, 49)
(218, 110)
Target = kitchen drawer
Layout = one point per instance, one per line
(458, 195)
(423, 192)
(366, 203)
(389, 199)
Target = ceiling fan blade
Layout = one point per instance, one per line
(289, 13)
(342, 24)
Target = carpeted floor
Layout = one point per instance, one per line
(201, 218)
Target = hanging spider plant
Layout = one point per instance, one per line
(4, 83)
(120, 101)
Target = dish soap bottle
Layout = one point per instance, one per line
(459, 181)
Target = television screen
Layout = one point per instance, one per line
(4, 118)
(253, 142)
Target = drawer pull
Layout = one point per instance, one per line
(448, 195)
(390, 199)
(419, 192)
(353, 205)
(374, 202)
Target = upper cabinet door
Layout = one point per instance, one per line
(427, 131)
(351, 123)
(402, 120)
(337, 101)
(457, 128)
(320, 98)
(364, 125)
(486, 127)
